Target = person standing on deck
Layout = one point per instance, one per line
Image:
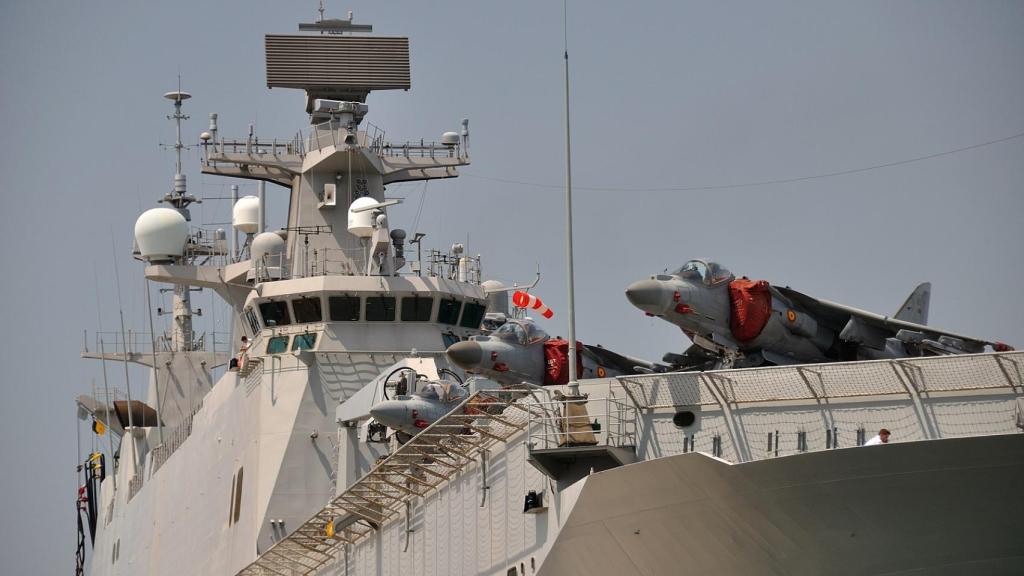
(242, 352)
(881, 438)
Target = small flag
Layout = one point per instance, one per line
(98, 427)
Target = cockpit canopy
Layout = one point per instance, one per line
(708, 272)
(520, 332)
(443, 391)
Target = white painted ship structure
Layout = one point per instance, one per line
(277, 468)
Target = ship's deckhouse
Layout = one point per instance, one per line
(327, 313)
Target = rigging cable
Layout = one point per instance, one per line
(759, 182)
(419, 211)
(107, 408)
(124, 350)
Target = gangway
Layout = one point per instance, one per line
(422, 464)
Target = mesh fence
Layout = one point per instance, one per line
(824, 381)
(950, 373)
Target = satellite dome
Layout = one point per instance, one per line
(497, 296)
(161, 234)
(266, 244)
(450, 138)
(245, 216)
(492, 286)
(361, 223)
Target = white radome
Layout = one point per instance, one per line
(361, 223)
(161, 234)
(450, 138)
(245, 216)
(266, 244)
(492, 286)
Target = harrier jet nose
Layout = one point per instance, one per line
(391, 413)
(466, 354)
(651, 296)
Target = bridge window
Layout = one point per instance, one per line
(277, 344)
(253, 322)
(473, 315)
(304, 342)
(380, 308)
(307, 310)
(448, 311)
(275, 314)
(344, 308)
(416, 309)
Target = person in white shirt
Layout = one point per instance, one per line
(243, 352)
(881, 438)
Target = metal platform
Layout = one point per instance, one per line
(552, 462)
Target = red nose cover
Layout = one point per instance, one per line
(751, 307)
(556, 361)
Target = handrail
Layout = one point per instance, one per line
(431, 458)
(615, 426)
(831, 381)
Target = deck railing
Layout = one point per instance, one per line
(612, 421)
(904, 376)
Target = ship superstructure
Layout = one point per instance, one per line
(278, 467)
(222, 469)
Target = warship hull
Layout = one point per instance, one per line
(932, 507)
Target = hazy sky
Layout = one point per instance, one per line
(665, 95)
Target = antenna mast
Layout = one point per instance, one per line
(182, 337)
(574, 386)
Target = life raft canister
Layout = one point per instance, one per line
(751, 307)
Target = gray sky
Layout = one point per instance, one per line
(664, 95)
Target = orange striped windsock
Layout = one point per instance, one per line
(523, 300)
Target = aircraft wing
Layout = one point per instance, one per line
(838, 316)
(626, 364)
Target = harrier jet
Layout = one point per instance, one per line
(747, 323)
(520, 351)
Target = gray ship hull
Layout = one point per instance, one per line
(949, 506)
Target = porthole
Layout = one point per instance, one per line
(684, 418)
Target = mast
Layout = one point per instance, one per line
(574, 387)
(181, 332)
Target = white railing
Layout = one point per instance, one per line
(905, 376)
(551, 426)
(458, 441)
(136, 343)
(173, 439)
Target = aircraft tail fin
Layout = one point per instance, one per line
(915, 307)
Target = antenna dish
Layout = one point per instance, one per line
(450, 138)
(360, 216)
(161, 234)
(373, 205)
(267, 244)
(177, 96)
(245, 216)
